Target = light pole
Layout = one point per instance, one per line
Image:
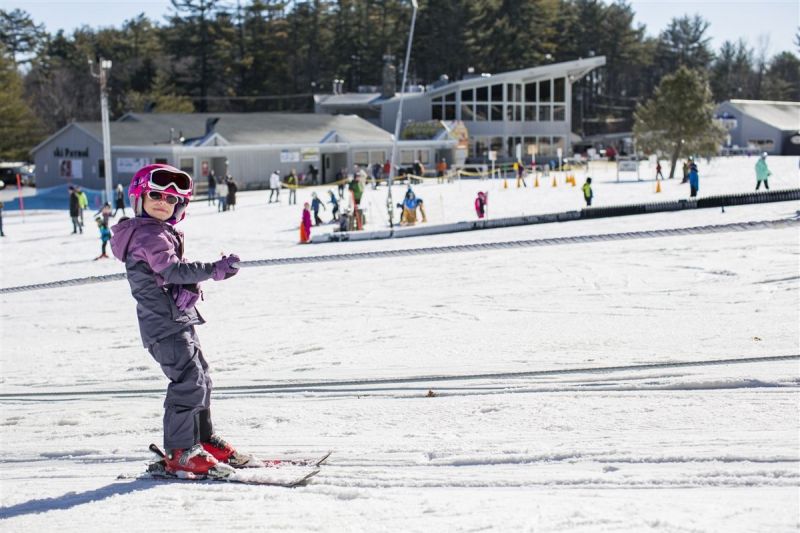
(102, 74)
(398, 120)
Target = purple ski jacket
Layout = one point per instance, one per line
(153, 255)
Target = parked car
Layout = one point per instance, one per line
(9, 171)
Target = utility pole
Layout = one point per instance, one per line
(102, 74)
(398, 120)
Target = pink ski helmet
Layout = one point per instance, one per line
(162, 178)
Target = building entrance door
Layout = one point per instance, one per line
(331, 164)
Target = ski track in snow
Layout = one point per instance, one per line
(622, 433)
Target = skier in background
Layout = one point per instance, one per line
(83, 201)
(588, 194)
(233, 188)
(104, 212)
(75, 210)
(658, 170)
(222, 196)
(316, 203)
(481, 204)
(305, 224)
(119, 200)
(165, 286)
(212, 188)
(105, 236)
(291, 183)
(335, 209)
(762, 172)
(694, 179)
(275, 186)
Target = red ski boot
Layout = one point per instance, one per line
(195, 462)
(225, 453)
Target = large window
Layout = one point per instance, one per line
(558, 90)
(377, 156)
(545, 94)
(530, 92)
(187, 165)
(437, 108)
(544, 113)
(361, 158)
(468, 111)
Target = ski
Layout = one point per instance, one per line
(294, 477)
(277, 463)
(289, 475)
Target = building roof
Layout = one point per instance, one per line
(346, 99)
(784, 116)
(574, 69)
(148, 129)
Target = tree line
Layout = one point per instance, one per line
(272, 55)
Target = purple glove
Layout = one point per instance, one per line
(186, 296)
(224, 269)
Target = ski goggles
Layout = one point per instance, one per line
(171, 199)
(162, 179)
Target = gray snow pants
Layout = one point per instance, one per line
(187, 418)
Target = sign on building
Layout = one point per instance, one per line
(308, 155)
(290, 156)
(129, 165)
(70, 168)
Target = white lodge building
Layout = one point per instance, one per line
(530, 107)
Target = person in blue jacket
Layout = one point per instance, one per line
(335, 208)
(694, 179)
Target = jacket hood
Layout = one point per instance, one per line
(124, 231)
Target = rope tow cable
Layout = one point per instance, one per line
(602, 237)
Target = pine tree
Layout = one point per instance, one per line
(19, 35)
(679, 118)
(19, 128)
(783, 78)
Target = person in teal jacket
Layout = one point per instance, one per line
(105, 236)
(762, 172)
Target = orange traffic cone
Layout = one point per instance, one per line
(658, 185)
(536, 182)
(555, 183)
(505, 183)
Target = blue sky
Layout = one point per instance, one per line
(730, 19)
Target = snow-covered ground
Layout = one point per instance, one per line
(582, 447)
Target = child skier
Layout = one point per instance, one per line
(105, 236)
(316, 203)
(335, 209)
(588, 194)
(305, 224)
(104, 212)
(480, 204)
(165, 286)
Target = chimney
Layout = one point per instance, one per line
(389, 86)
